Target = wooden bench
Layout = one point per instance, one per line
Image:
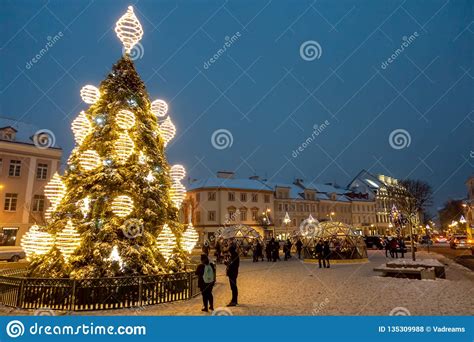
(431, 263)
(422, 272)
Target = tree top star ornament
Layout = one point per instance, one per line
(129, 30)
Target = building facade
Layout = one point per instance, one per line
(24, 171)
(468, 207)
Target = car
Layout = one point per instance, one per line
(425, 240)
(12, 254)
(373, 242)
(440, 239)
(460, 241)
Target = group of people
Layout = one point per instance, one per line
(393, 246)
(206, 272)
(323, 253)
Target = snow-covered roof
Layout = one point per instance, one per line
(24, 131)
(228, 183)
(295, 191)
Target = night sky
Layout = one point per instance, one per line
(260, 89)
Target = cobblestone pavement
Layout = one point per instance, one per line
(297, 288)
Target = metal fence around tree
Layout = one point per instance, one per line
(19, 291)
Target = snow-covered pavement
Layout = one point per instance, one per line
(297, 288)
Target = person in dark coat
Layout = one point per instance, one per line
(218, 252)
(299, 247)
(402, 246)
(268, 250)
(258, 250)
(393, 248)
(206, 288)
(288, 246)
(275, 250)
(326, 253)
(206, 248)
(318, 249)
(233, 264)
(386, 244)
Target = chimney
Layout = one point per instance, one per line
(225, 174)
(254, 177)
(299, 181)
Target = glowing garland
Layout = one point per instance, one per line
(122, 206)
(177, 190)
(36, 242)
(124, 146)
(115, 257)
(125, 119)
(90, 94)
(166, 242)
(159, 108)
(54, 192)
(68, 240)
(89, 160)
(129, 30)
(167, 130)
(81, 127)
(177, 172)
(189, 238)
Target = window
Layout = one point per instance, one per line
(8, 236)
(15, 168)
(306, 207)
(42, 171)
(266, 198)
(198, 217)
(10, 202)
(280, 207)
(293, 207)
(243, 197)
(198, 197)
(231, 196)
(286, 206)
(243, 214)
(254, 214)
(231, 214)
(211, 215)
(38, 203)
(254, 197)
(211, 196)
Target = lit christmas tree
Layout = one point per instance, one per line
(119, 197)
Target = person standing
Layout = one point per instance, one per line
(268, 250)
(218, 252)
(206, 272)
(258, 250)
(393, 248)
(206, 248)
(326, 253)
(402, 246)
(318, 249)
(299, 247)
(233, 264)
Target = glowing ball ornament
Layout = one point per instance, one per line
(36, 242)
(68, 240)
(90, 94)
(167, 130)
(166, 242)
(189, 238)
(81, 127)
(54, 192)
(89, 160)
(159, 108)
(177, 172)
(177, 194)
(125, 119)
(129, 30)
(122, 206)
(124, 147)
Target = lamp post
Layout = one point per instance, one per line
(286, 221)
(398, 219)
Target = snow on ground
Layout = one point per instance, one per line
(297, 288)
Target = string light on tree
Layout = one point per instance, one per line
(166, 242)
(122, 206)
(124, 146)
(90, 94)
(129, 30)
(177, 191)
(189, 238)
(115, 257)
(167, 130)
(68, 240)
(159, 108)
(150, 178)
(54, 192)
(89, 160)
(36, 242)
(81, 127)
(85, 205)
(125, 119)
(142, 158)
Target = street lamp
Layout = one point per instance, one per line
(286, 221)
(332, 214)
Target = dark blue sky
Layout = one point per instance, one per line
(260, 89)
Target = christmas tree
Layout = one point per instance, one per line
(115, 210)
